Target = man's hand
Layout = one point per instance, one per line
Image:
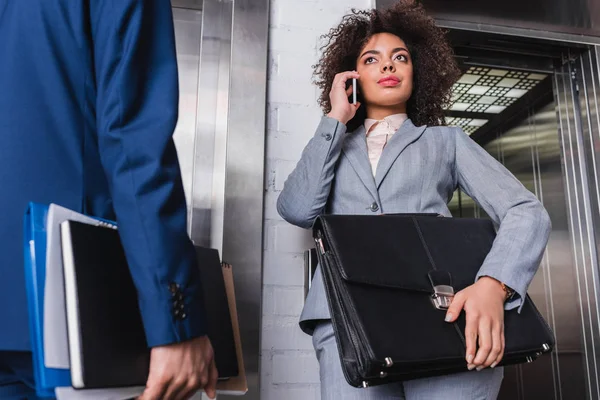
(483, 303)
(178, 371)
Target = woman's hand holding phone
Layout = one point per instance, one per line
(341, 108)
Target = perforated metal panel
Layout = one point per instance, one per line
(488, 91)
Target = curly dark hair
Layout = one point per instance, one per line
(434, 68)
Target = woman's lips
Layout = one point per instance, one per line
(389, 81)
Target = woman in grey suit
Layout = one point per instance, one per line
(390, 153)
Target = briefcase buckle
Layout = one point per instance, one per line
(442, 296)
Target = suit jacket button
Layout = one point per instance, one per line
(173, 288)
(328, 137)
(374, 207)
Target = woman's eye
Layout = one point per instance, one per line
(402, 57)
(370, 60)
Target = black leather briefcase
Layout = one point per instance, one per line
(389, 280)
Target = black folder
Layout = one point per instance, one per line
(107, 344)
(218, 315)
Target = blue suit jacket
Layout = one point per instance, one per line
(88, 106)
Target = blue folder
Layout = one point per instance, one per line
(46, 379)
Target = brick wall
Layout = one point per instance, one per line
(289, 370)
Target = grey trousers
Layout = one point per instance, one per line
(473, 385)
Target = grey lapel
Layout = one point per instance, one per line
(355, 149)
(405, 135)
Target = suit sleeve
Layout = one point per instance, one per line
(306, 190)
(524, 224)
(136, 112)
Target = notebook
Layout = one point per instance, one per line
(56, 347)
(237, 385)
(107, 346)
(107, 343)
(218, 314)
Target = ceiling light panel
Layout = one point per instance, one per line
(484, 90)
(469, 125)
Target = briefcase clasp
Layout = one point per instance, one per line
(442, 296)
(319, 242)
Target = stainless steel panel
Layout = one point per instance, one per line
(532, 152)
(571, 18)
(590, 99)
(244, 183)
(212, 123)
(187, 4)
(203, 56)
(220, 141)
(555, 154)
(188, 26)
(584, 74)
(575, 130)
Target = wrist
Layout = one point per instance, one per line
(337, 116)
(495, 286)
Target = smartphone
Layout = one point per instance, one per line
(353, 90)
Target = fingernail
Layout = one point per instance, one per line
(448, 317)
(470, 358)
(479, 368)
(493, 365)
(470, 367)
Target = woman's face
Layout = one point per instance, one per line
(386, 72)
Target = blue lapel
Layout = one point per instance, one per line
(405, 135)
(355, 149)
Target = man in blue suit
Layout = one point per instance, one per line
(88, 106)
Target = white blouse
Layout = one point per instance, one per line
(378, 134)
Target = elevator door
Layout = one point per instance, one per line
(531, 151)
(552, 151)
(220, 143)
(188, 28)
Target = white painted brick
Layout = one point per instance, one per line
(288, 301)
(297, 40)
(283, 169)
(283, 269)
(273, 116)
(286, 238)
(282, 301)
(301, 121)
(292, 67)
(267, 228)
(270, 167)
(266, 367)
(271, 206)
(283, 333)
(272, 66)
(267, 300)
(292, 93)
(320, 16)
(295, 367)
(287, 147)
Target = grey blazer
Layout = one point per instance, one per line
(418, 172)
